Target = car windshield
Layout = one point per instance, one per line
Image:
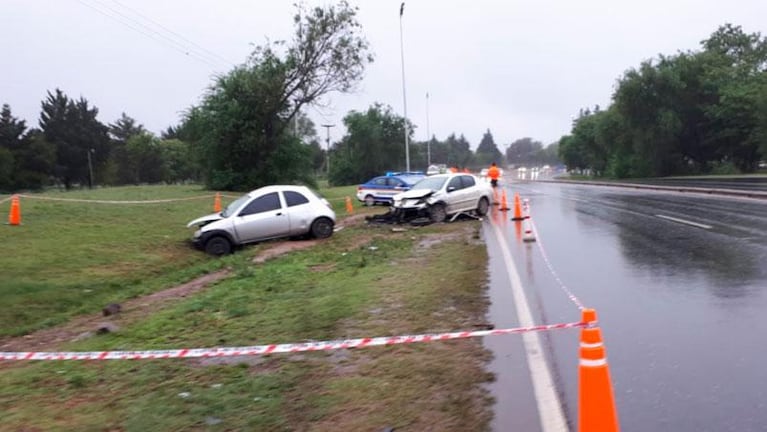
(231, 208)
(430, 183)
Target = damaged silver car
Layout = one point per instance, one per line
(441, 196)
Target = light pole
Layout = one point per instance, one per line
(428, 135)
(327, 152)
(90, 169)
(404, 95)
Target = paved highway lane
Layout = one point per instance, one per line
(680, 285)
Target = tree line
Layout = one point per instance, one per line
(694, 112)
(249, 129)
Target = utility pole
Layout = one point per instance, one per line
(90, 169)
(404, 95)
(428, 135)
(327, 151)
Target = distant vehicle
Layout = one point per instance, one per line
(263, 214)
(436, 169)
(443, 195)
(380, 190)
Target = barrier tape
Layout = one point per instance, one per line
(45, 198)
(562, 285)
(278, 348)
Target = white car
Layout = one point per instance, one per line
(443, 195)
(266, 213)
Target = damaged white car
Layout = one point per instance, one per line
(441, 196)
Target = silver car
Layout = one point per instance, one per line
(443, 195)
(266, 213)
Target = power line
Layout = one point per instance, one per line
(174, 33)
(182, 46)
(173, 44)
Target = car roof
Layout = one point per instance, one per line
(277, 188)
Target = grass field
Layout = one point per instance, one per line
(72, 258)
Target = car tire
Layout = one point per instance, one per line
(437, 213)
(322, 228)
(370, 201)
(483, 206)
(218, 246)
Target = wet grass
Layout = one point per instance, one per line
(364, 281)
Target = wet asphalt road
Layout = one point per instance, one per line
(754, 183)
(683, 308)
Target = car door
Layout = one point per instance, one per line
(300, 212)
(471, 193)
(262, 218)
(454, 195)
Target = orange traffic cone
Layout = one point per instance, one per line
(596, 403)
(14, 216)
(504, 204)
(349, 206)
(217, 203)
(517, 209)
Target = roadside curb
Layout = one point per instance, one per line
(685, 189)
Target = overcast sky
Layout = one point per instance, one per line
(519, 68)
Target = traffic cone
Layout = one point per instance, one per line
(526, 208)
(596, 402)
(217, 203)
(14, 216)
(517, 209)
(529, 236)
(349, 206)
(504, 204)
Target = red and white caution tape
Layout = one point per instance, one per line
(277, 348)
(562, 285)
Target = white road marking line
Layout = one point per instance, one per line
(686, 222)
(549, 406)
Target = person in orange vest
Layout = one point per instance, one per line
(493, 172)
(453, 169)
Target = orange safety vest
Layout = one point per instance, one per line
(493, 173)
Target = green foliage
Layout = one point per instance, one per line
(373, 144)
(243, 129)
(689, 113)
(487, 151)
(71, 126)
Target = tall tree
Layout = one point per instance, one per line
(72, 127)
(523, 151)
(371, 146)
(487, 151)
(246, 115)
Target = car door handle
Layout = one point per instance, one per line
(279, 214)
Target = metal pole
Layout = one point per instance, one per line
(327, 151)
(90, 170)
(428, 135)
(404, 95)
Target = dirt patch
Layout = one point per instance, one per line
(135, 309)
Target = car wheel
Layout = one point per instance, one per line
(482, 207)
(437, 213)
(370, 201)
(218, 246)
(322, 228)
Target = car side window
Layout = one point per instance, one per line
(381, 181)
(265, 203)
(455, 183)
(294, 198)
(467, 181)
(395, 182)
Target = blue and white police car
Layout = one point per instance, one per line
(380, 190)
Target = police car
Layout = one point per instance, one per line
(380, 190)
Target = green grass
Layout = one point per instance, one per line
(72, 258)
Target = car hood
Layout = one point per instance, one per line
(205, 220)
(416, 193)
